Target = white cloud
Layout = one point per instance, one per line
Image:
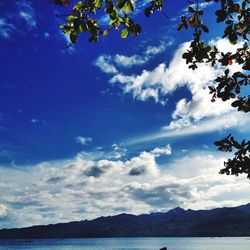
(184, 11)
(118, 152)
(161, 151)
(10, 22)
(182, 127)
(129, 61)
(69, 48)
(26, 13)
(149, 53)
(46, 35)
(3, 211)
(200, 106)
(83, 140)
(163, 80)
(166, 79)
(104, 63)
(6, 28)
(34, 120)
(154, 50)
(143, 165)
(78, 188)
(108, 64)
(195, 115)
(28, 18)
(202, 6)
(143, 87)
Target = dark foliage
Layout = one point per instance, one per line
(236, 17)
(241, 162)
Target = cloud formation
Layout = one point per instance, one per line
(195, 115)
(110, 64)
(27, 13)
(21, 12)
(3, 211)
(6, 28)
(79, 188)
(161, 151)
(118, 152)
(184, 127)
(149, 53)
(83, 140)
(164, 80)
(104, 63)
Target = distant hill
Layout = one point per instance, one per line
(178, 222)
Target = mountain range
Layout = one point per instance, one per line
(233, 221)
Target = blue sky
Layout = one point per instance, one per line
(108, 127)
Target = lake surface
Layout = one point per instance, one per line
(230, 243)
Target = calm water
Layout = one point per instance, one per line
(242, 243)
